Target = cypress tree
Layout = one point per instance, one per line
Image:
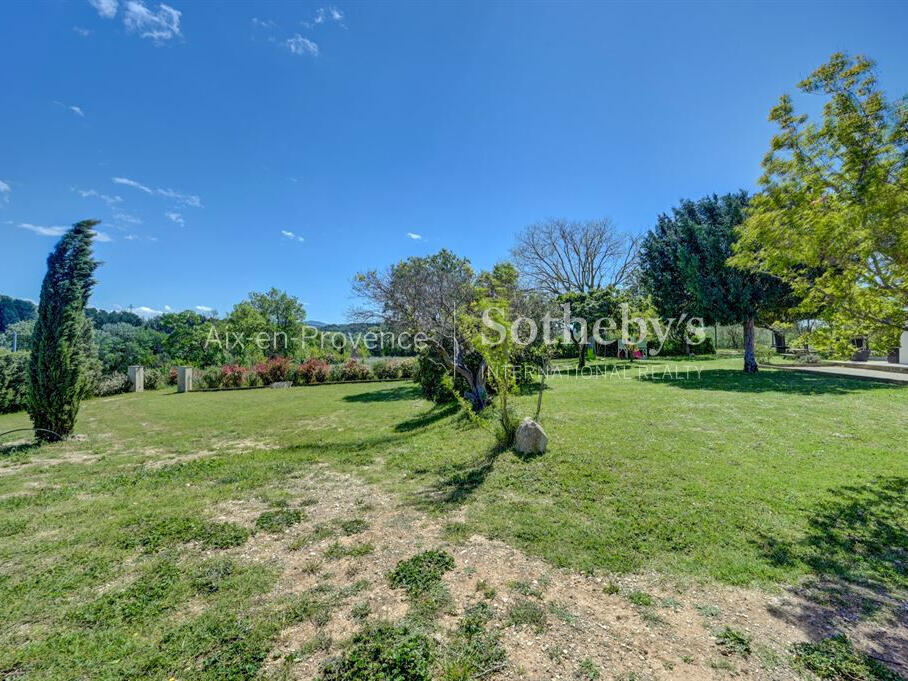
(57, 374)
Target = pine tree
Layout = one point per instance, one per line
(57, 373)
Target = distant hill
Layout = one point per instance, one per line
(317, 325)
(14, 310)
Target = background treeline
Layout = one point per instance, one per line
(122, 338)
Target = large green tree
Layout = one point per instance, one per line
(832, 217)
(683, 266)
(61, 345)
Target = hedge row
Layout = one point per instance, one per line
(312, 371)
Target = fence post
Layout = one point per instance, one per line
(184, 379)
(136, 379)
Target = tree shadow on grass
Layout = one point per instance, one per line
(402, 392)
(426, 419)
(13, 448)
(459, 483)
(730, 380)
(856, 547)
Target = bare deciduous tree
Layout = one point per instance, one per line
(557, 256)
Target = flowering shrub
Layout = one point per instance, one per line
(111, 384)
(394, 369)
(312, 371)
(274, 370)
(233, 375)
(153, 379)
(352, 370)
(407, 368)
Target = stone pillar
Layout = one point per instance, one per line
(903, 351)
(136, 379)
(184, 379)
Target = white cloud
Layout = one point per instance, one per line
(263, 23)
(131, 183)
(175, 217)
(76, 110)
(106, 8)
(44, 231)
(414, 236)
(131, 237)
(204, 308)
(126, 217)
(146, 312)
(106, 198)
(159, 25)
(188, 199)
(323, 14)
(102, 237)
(167, 308)
(300, 45)
(84, 32)
(292, 236)
(4, 191)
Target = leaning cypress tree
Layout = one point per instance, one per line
(57, 367)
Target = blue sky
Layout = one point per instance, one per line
(231, 147)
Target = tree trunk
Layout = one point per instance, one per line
(581, 355)
(750, 355)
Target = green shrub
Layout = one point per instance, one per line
(386, 369)
(154, 379)
(421, 572)
(13, 381)
(731, 641)
(834, 658)
(383, 652)
(111, 384)
(430, 373)
(278, 521)
(210, 378)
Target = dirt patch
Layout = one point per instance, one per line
(641, 627)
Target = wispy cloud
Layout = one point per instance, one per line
(5, 191)
(84, 32)
(126, 217)
(103, 237)
(77, 110)
(324, 15)
(300, 45)
(131, 237)
(263, 23)
(175, 217)
(44, 231)
(414, 236)
(204, 308)
(106, 8)
(167, 308)
(158, 25)
(131, 183)
(188, 199)
(290, 235)
(106, 198)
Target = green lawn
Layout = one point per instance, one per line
(721, 476)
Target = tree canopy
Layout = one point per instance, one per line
(684, 267)
(58, 377)
(832, 217)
